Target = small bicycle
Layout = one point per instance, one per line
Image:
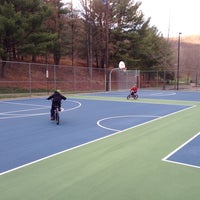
(134, 96)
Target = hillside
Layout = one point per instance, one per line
(193, 39)
(189, 67)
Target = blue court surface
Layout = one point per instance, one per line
(28, 135)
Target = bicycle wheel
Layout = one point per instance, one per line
(128, 97)
(136, 96)
(57, 117)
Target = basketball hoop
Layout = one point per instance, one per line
(122, 66)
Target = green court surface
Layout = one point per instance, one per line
(125, 166)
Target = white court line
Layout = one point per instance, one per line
(13, 115)
(23, 104)
(159, 94)
(16, 111)
(177, 149)
(123, 116)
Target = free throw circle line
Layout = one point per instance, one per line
(121, 116)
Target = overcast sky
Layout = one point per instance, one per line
(171, 16)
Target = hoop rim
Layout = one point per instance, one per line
(123, 69)
(122, 65)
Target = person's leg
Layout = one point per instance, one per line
(59, 106)
(52, 113)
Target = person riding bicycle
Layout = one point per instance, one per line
(134, 90)
(56, 101)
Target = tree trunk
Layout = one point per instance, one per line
(3, 65)
(56, 57)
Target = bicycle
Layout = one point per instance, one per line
(56, 98)
(134, 96)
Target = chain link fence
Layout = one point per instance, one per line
(123, 79)
(22, 77)
(171, 79)
(33, 77)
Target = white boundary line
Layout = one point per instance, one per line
(177, 149)
(23, 104)
(161, 94)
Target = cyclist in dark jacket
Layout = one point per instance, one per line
(56, 101)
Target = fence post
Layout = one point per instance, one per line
(30, 81)
(110, 77)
